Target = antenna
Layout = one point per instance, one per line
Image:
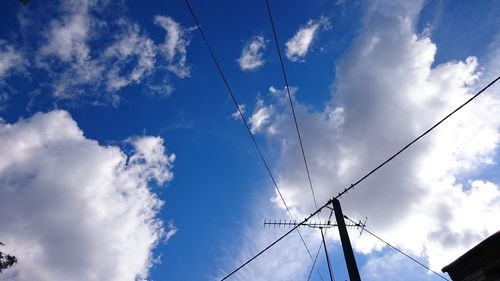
(360, 224)
(320, 224)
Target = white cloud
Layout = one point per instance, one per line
(72, 209)
(260, 116)
(251, 55)
(10, 58)
(130, 46)
(69, 81)
(66, 52)
(391, 265)
(432, 201)
(236, 115)
(171, 230)
(149, 160)
(66, 38)
(297, 47)
(84, 60)
(282, 92)
(175, 45)
(12, 61)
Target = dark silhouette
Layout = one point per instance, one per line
(24, 2)
(6, 260)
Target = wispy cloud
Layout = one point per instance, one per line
(175, 45)
(251, 55)
(71, 209)
(297, 47)
(11, 59)
(67, 37)
(236, 115)
(390, 265)
(65, 51)
(83, 61)
(130, 46)
(288, 260)
(260, 117)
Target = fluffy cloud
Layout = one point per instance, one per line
(71, 209)
(297, 47)
(251, 55)
(428, 200)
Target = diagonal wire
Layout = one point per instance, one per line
(314, 263)
(319, 248)
(372, 171)
(398, 250)
(330, 271)
(233, 97)
(417, 139)
(291, 102)
(285, 78)
(275, 242)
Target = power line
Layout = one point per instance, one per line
(261, 252)
(418, 138)
(314, 263)
(291, 102)
(399, 251)
(285, 78)
(372, 171)
(279, 239)
(233, 97)
(330, 271)
(322, 226)
(319, 248)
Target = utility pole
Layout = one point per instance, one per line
(350, 261)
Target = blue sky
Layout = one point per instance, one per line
(122, 158)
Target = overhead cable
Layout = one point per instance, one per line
(314, 263)
(233, 97)
(330, 270)
(417, 139)
(291, 103)
(319, 248)
(372, 171)
(399, 251)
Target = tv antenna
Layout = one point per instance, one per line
(314, 224)
(335, 208)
